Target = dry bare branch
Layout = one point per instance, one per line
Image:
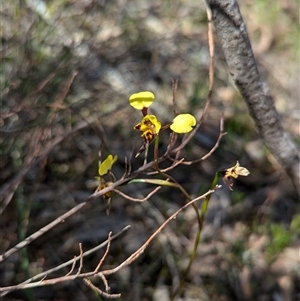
(69, 273)
(221, 135)
(80, 260)
(107, 295)
(105, 254)
(124, 195)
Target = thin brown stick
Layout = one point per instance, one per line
(135, 199)
(211, 46)
(106, 295)
(105, 254)
(174, 90)
(174, 164)
(105, 282)
(211, 84)
(72, 267)
(221, 135)
(80, 260)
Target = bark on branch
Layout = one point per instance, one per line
(237, 50)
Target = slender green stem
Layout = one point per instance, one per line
(206, 201)
(156, 152)
(200, 219)
(197, 240)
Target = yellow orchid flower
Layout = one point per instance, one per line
(233, 172)
(107, 164)
(150, 127)
(183, 123)
(141, 100)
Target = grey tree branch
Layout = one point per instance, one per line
(237, 50)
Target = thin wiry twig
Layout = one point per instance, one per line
(221, 135)
(174, 89)
(135, 199)
(174, 164)
(105, 282)
(107, 295)
(80, 260)
(211, 84)
(127, 168)
(69, 273)
(105, 254)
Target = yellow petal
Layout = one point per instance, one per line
(183, 123)
(107, 164)
(141, 100)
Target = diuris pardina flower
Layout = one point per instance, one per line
(150, 126)
(233, 172)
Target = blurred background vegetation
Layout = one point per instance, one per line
(67, 70)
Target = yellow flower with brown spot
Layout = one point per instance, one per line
(149, 126)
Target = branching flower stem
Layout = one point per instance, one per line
(200, 219)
